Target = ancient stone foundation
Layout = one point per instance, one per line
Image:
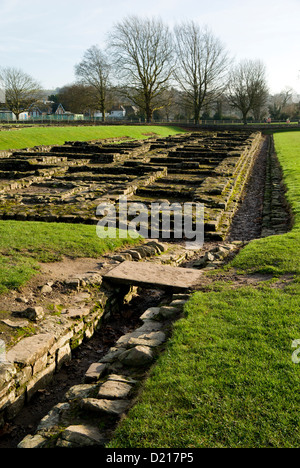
(67, 183)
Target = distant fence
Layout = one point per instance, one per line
(79, 120)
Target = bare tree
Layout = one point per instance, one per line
(248, 90)
(202, 65)
(142, 51)
(21, 90)
(78, 98)
(94, 70)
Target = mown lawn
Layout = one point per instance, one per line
(24, 244)
(36, 136)
(227, 378)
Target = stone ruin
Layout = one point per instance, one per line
(66, 183)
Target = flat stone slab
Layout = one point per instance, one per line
(150, 275)
(83, 436)
(28, 350)
(112, 390)
(109, 407)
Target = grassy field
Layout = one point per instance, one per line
(24, 244)
(226, 378)
(35, 136)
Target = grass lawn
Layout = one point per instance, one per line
(24, 244)
(57, 135)
(226, 378)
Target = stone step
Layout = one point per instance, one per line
(154, 276)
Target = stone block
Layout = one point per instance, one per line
(95, 371)
(40, 381)
(28, 350)
(64, 354)
(138, 356)
(78, 392)
(112, 390)
(36, 441)
(81, 436)
(108, 407)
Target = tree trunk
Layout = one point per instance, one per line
(196, 114)
(149, 113)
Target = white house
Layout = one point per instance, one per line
(117, 113)
(98, 115)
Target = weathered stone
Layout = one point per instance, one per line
(52, 419)
(64, 354)
(7, 372)
(28, 350)
(36, 441)
(157, 245)
(153, 275)
(40, 364)
(168, 312)
(138, 356)
(80, 391)
(121, 378)
(109, 407)
(152, 340)
(112, 355)
(21, 299)
(122, 257)
(95, 371)
(15, 323)
(46, 289)
(150, 313)
(149, 326)
(82, 436)
(77, 312)
(112, 390)
(135, 255)
(33, 313)
(81, 297)
(72, 283)
(40, 381)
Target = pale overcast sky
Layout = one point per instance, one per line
(47, 39)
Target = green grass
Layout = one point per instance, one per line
(36, 136)
(226, 378)
(24, 244)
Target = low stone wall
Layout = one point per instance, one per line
(5, 154)
(277, 215)
(32, 362)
